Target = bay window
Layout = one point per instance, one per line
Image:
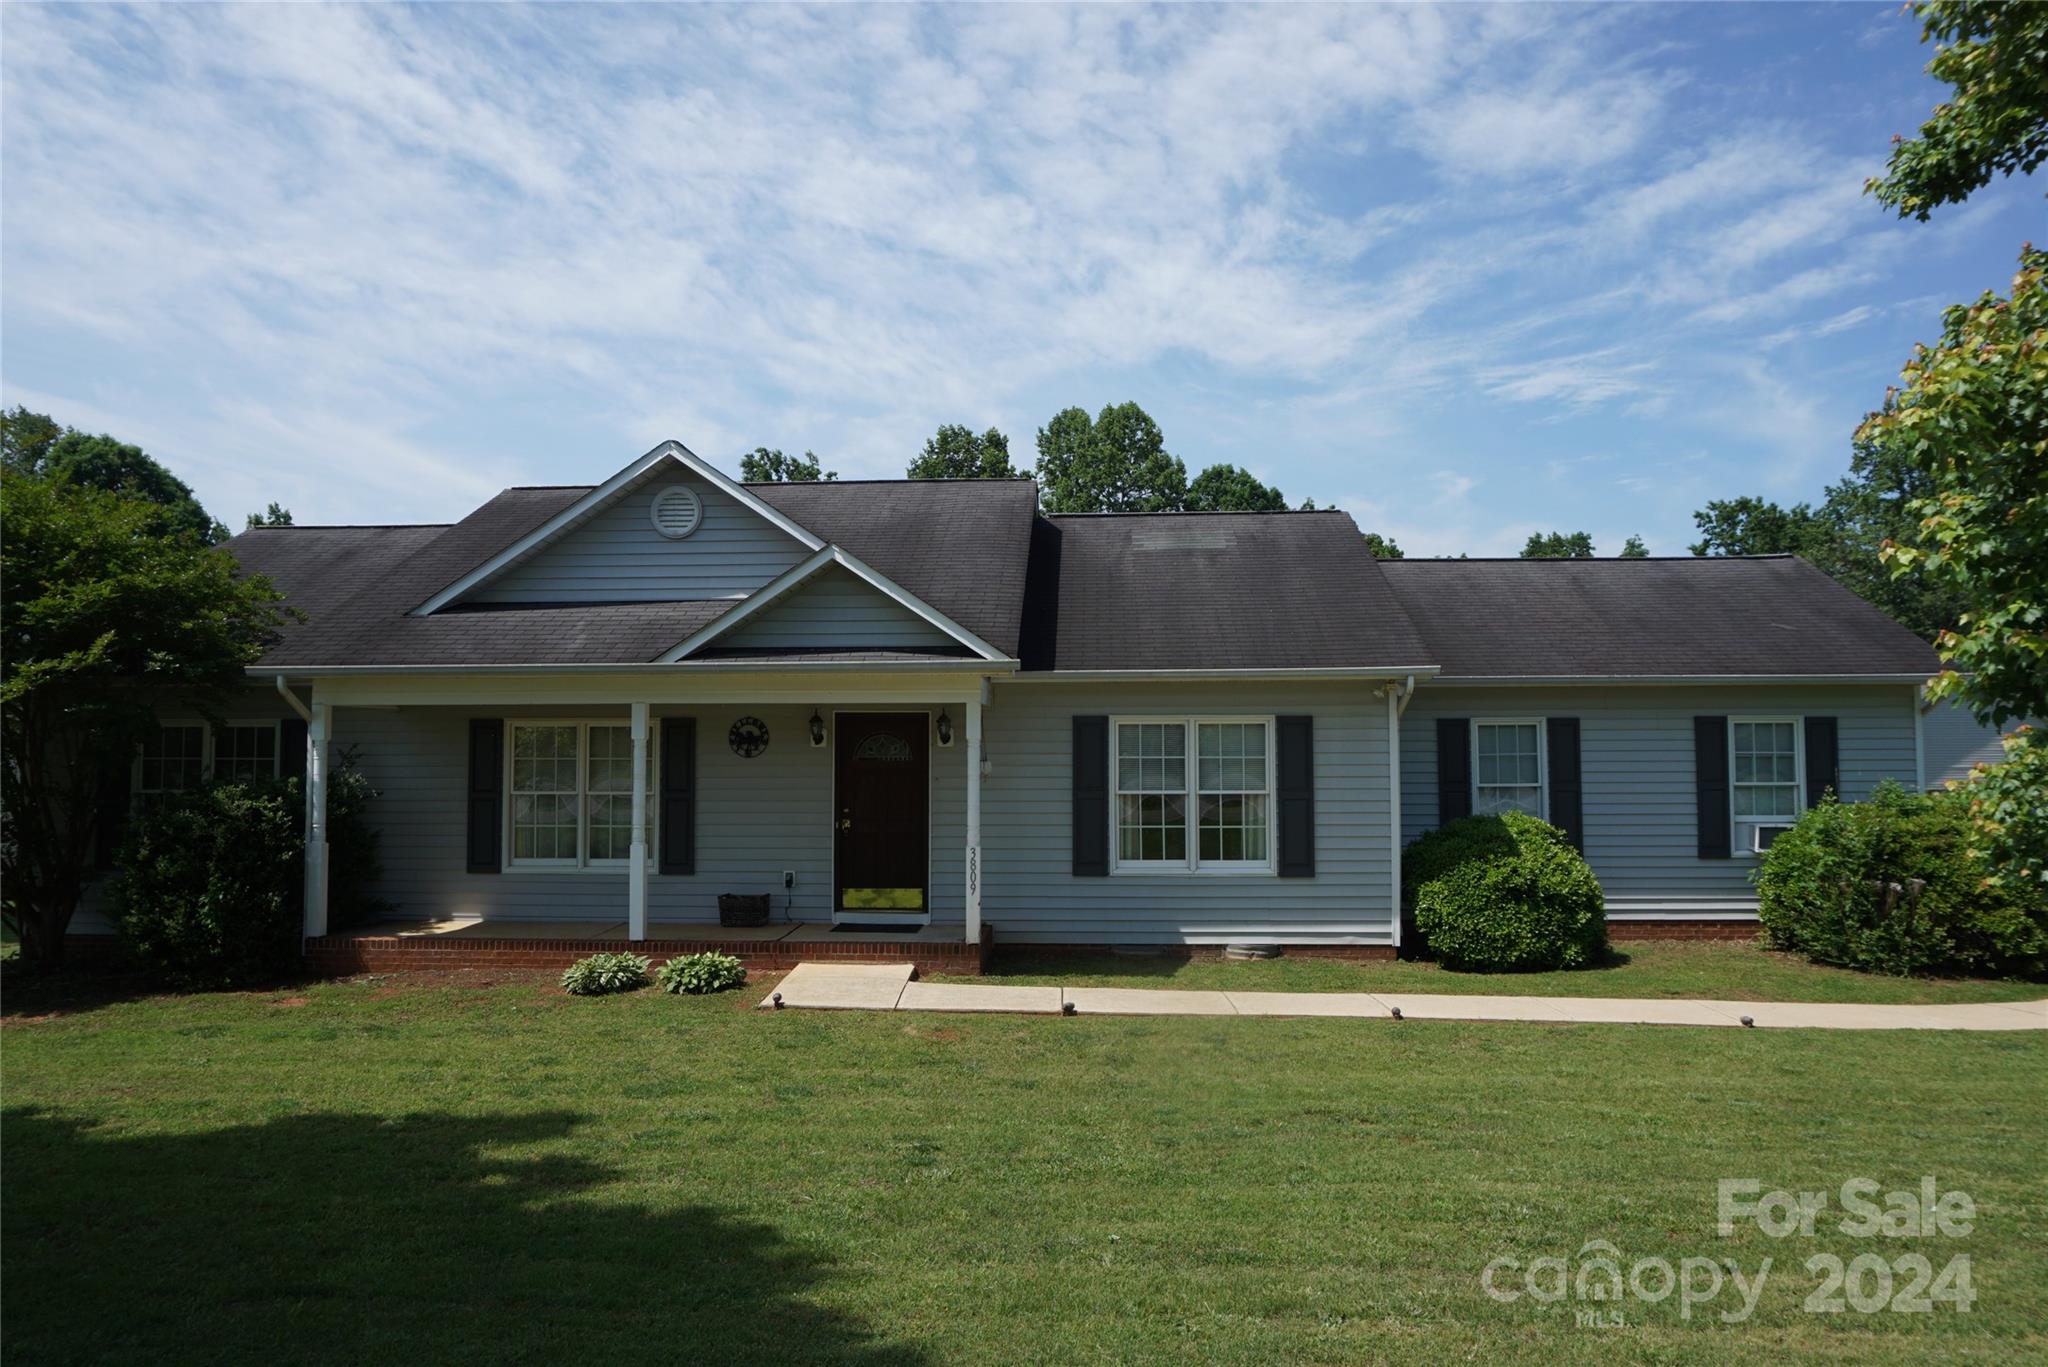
(1214, 815)
(572, 794)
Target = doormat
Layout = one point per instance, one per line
(878, 928)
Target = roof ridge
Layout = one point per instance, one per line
(842, 483)
(1581, 559)
(345, 527)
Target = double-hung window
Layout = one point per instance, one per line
(1507, 767)
(173, 760)
(572, 794)
(1765, 787)
(178, 756)
(1193, 793)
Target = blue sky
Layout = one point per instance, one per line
(1465, 271)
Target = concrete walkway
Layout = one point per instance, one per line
(889, 987)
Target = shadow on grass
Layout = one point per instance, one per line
(356, 1238)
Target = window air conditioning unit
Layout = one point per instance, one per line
(1761, 836)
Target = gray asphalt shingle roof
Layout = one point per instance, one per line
(1152, 592)
(1169, 591)
(1687, 616)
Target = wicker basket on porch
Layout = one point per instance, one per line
(743, 908)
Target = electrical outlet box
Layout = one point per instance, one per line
(788, 879)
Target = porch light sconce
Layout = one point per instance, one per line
(817, 728)
(944, 726)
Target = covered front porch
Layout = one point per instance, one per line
(523, 814)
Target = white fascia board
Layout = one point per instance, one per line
(1654, 680)
(598, 498)
(787, 582)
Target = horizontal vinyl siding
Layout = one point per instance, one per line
(1956, 742)
(618, 557)
(756, 817)
(1636, 747)
(1029, 892)
(835, 608)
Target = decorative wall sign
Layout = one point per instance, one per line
(883, 747)
(748, 737)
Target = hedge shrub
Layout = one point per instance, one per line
(701, 973)
(1889, 885)
(599, 975)
(209, 884)
(1505, 893)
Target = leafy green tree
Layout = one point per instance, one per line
(35, 445)
(1382, 548)
(763, 466)
(276, 515)
(1116, 463)
(1756, 526)
(1230, 489)
(104, 614)
(26, 438)
(956, 451)
(1972, 417)
(1996, 57)
(1558, 546)
(1634, 549)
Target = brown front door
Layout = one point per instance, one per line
(882, 830)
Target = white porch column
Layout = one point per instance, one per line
(317, 728)
(636, 863)
(974, 821)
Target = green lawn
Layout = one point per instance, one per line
(459, 1171)
(1729, 970)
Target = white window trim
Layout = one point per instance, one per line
(581, 863)
(1741, 845)
(1193, 865)
(206, 750)
(1542, 760)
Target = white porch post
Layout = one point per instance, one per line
(636, 865)
(974, 821)
(316, 819)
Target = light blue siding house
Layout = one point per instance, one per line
(925, 709)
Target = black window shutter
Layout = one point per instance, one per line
(1296, 781)
(113, 812)
(486, 787)
(291, 748)
(1710, 785)
(678, 822)
(1091, 797)
(1567, 802)
(1823, 760)
(1453, 769)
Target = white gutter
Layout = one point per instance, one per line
(305, 713)
(1387, 673)
(681, 670)
(1632, 680)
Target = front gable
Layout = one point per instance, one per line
(667, 528)
(833, 602)
(619, 555)
(833, 609)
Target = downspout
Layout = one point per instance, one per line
(1397, 703)
(1920, 738)
(305, 714)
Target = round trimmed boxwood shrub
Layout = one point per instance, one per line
(1889, 885)
(599, 975)
(701, 973)
(209, 883)
(1505, 893)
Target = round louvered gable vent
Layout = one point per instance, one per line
(676, 511)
